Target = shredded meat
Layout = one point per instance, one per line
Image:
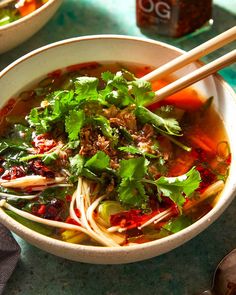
(129, 119)
(117, 122)
(148, 131)
(92, 141)
(110, 112)
(144, 139)
(124, 118)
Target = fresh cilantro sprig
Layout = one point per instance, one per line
(179, 187)
(122, 92)
(91, 168)
(67, 105)
(131, 177)
(175, 225)
(167, 125)
(135, 151)
(46, 158)
(59, 103)
(132, 190)
(74, 121)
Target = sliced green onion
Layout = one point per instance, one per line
(108, 208)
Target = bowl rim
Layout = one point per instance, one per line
(28, 16)
(195, 228)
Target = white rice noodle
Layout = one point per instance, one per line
(31, 181)
(157, 218)
(52, 223)
(15, 197)
(58, 224)
(117, 237)
(71, 209)
(93, 224)
(115, 228)
(86, 191)
(41, 188)
(78, 199)
(212, 189)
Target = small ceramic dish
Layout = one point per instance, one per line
(26, 71)
(22, 29)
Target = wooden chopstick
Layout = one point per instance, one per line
(195, 76)
(192, 55)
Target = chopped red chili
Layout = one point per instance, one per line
(13, 173)
(37, 167)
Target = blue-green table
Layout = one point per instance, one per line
(184, 271)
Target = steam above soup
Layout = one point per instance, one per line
(83, 160)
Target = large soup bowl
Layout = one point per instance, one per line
(33, 66)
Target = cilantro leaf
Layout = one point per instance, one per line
(177, 224)
(175, 187)
(73, 123)
(133, 168)
(166, 125)
(71, 145)
(142, 91)
(132, 193)
(59, 104)
(13, 143)
(117, 89)
(86, 87)
(90, 175)
(100, 161)
(49, 158)
(76, 165)
(122, 92)
(135, 151)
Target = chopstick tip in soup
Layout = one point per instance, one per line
(85, 161)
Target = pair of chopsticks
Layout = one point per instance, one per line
(188, 57)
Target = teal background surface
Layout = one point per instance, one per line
(186, 270)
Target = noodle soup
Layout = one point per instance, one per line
(86, 158)
(15, 10)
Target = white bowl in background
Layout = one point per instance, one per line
(22, 29)
(104, 48)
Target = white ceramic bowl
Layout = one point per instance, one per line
(118, 48)
(19, 31)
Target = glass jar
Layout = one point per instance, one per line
(173, 18)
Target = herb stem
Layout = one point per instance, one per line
(178, 143)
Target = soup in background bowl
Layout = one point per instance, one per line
(148, 186)
(18, 25)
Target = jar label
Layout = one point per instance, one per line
(160, 9)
